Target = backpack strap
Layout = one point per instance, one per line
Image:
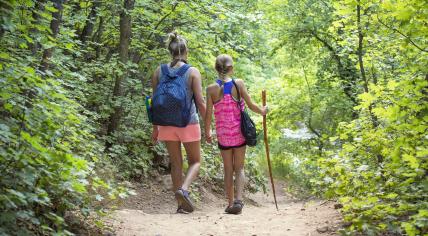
(164, 69)
(183, 69)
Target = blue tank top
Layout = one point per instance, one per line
(227, 86)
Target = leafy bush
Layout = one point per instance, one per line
(49, 152)
(47, 149)
(381, 170)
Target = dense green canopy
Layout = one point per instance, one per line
(347, 84)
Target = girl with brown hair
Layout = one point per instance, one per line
(189, 135)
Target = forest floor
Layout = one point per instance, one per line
(152, 212)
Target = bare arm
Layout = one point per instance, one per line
(208, 116)
(155, 79)
(197, 92)
(244, 93)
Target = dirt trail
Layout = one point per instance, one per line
(152, 212)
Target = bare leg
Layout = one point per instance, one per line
(193, 150)
(174, 151)
(238, 167)
(228, 174)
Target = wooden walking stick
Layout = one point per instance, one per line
(267, 149)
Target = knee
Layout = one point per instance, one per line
(176, 163)
(228, 170)
(238, 169)
(239, 173)
(195, 163)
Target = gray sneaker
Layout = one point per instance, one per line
(237, 207)
(184, 201)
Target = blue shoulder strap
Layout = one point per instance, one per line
(183, 69)
(164, 69)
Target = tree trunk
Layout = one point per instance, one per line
(55, 23)
(90, 22)
(309, 123)
(97, 38)
(360, 48)
(5, 11)
(363, 72)
(35, 46)
(125, 39)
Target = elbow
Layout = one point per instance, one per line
(202, 108)
(199, 102)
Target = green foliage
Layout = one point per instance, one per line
(349, 88)
(56, 100)
(368, 145)
(49, 154)
(389, 181)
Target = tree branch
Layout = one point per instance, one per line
(360, 48)
(340, 67)
(310, 127)
(399, 32)
(138, 59)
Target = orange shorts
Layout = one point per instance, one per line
(190, 133)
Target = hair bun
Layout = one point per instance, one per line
(172, 37)
(176, 44)
(223, 64)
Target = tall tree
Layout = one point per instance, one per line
(38, 7)
(54, 26)
(90, 22)
(125, 40)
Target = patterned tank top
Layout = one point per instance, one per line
(228, 117)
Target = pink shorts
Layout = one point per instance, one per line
(190, 133)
